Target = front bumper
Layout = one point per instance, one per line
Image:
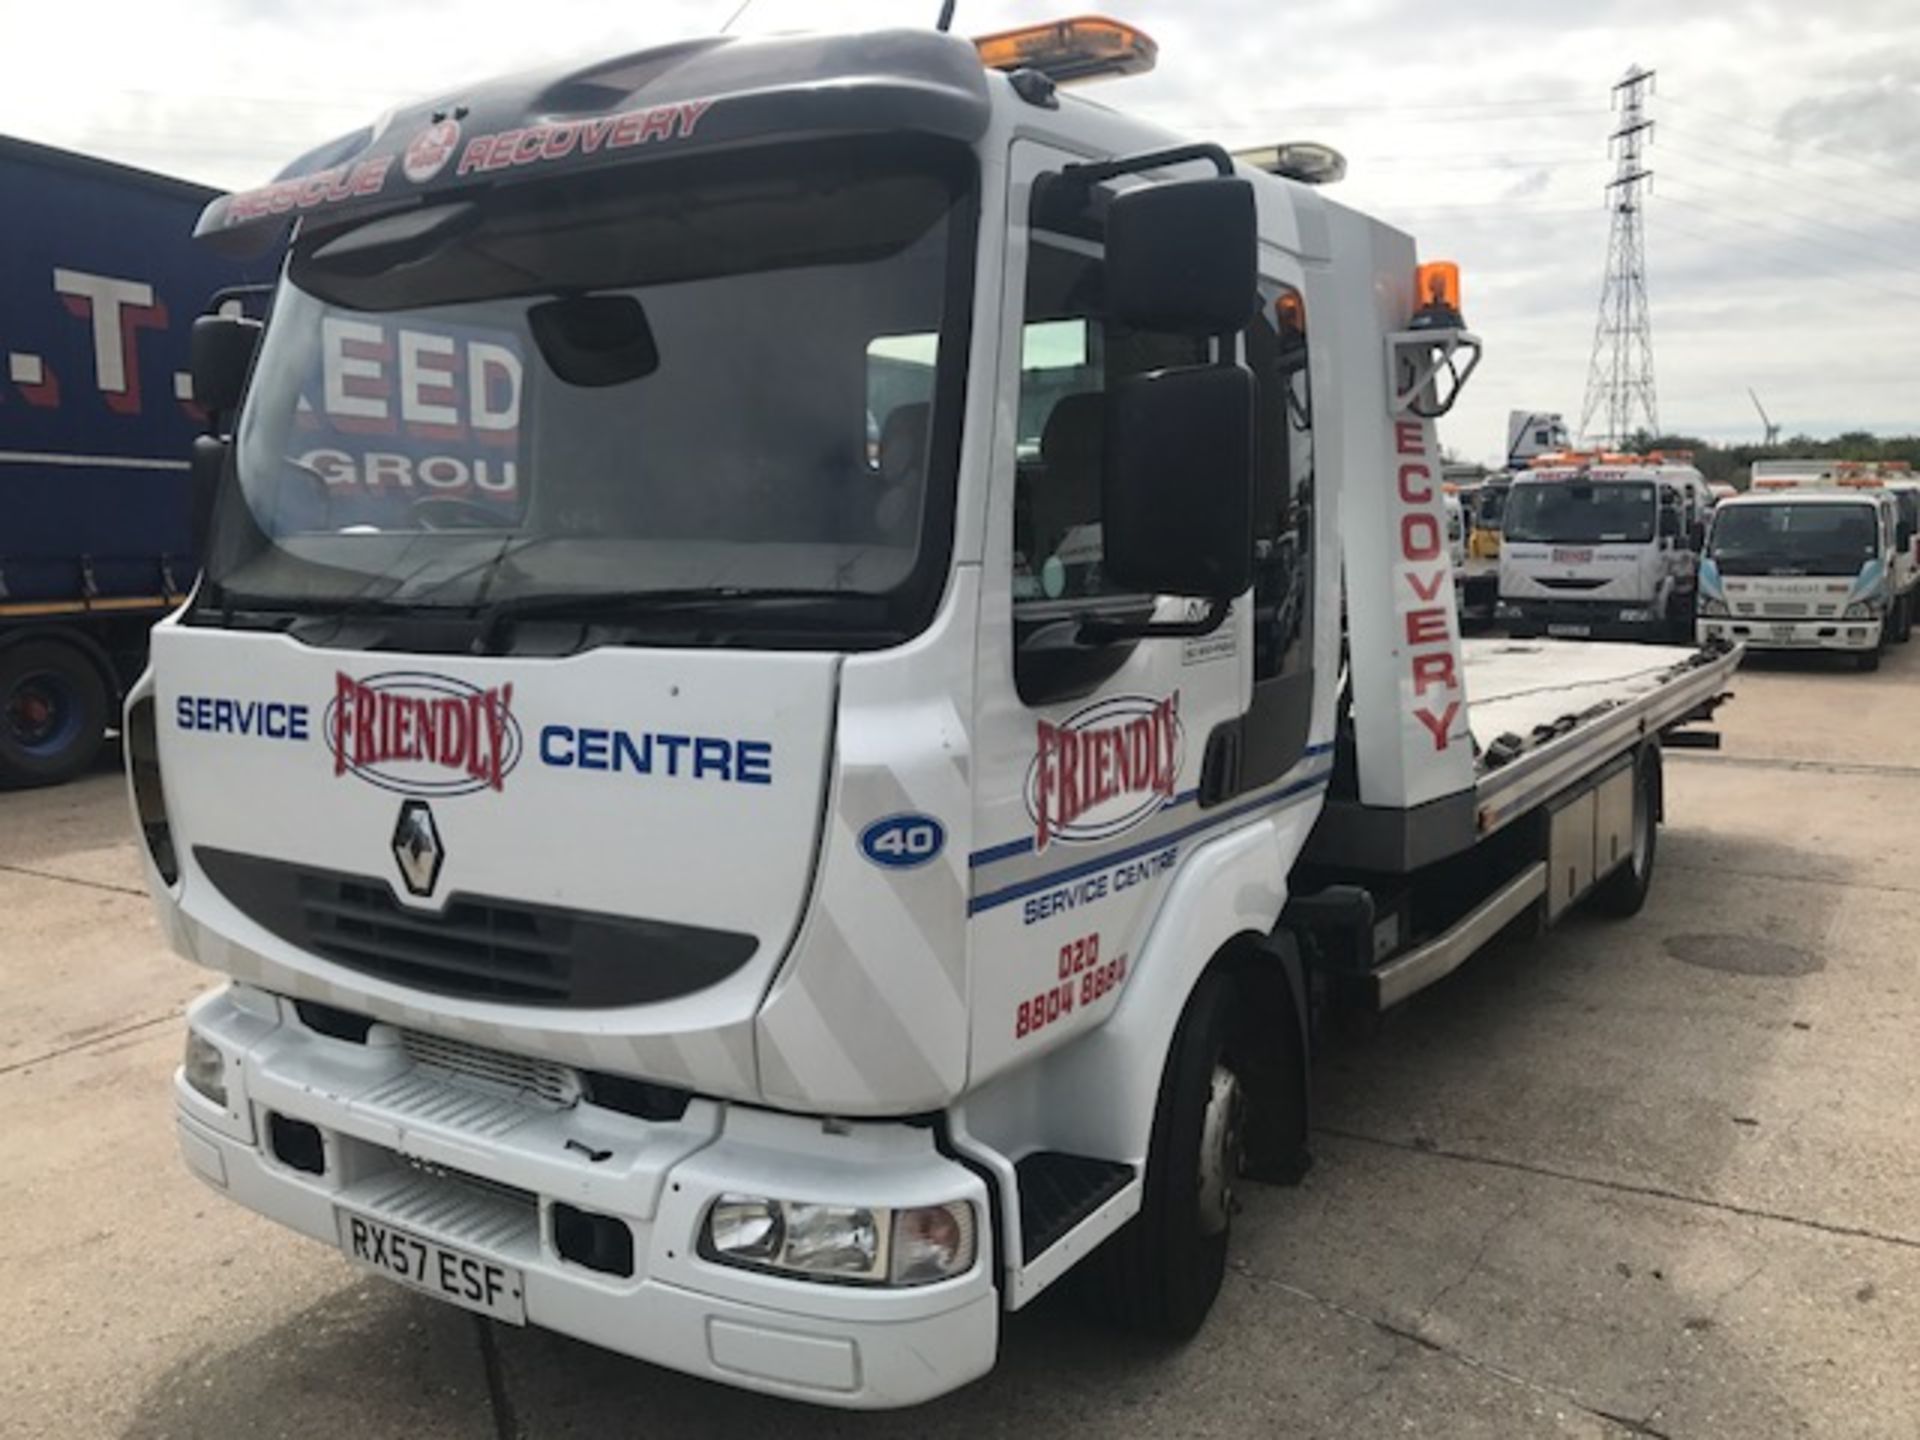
(1598, 619)
(481, 1168)
(1852, 636)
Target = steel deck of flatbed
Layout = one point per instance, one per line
(1546, 712)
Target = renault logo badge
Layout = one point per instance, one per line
(417, 848)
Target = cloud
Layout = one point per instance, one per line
(1878, 121)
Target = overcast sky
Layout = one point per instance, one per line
(1783, 236)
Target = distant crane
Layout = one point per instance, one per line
(1773, 430)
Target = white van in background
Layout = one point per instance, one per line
(1802, 567)
(1603, 546)
(1894, 484)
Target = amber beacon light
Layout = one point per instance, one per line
(1087, 47)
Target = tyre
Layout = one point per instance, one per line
(1903, 620)
(1624, 892)
(53, 713)
(1160, 1274)
(1867, 660)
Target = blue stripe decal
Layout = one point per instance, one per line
(1000, 852)
(1277, 800)
(994, 853)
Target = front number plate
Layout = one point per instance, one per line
(1783, 632)
(466, 1279)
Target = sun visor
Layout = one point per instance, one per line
(671, 100)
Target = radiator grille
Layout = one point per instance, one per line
(465, 1063)
(476, 946)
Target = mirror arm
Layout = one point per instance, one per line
(1092, 174)
(1105, 632)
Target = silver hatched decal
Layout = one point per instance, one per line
(882, 1024)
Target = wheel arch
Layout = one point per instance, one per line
(1220, 911)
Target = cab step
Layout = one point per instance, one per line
(1058, 1191)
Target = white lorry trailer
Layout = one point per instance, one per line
(1603, 546)
(768, 911)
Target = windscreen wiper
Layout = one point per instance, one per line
(627, 604)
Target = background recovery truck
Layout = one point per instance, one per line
(1605, 545)
(768, 913)
(1806, 566)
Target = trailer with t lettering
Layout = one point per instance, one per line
(99, 284)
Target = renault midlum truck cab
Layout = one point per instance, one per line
(1800, 567)
(769, 892)
(1603, 546)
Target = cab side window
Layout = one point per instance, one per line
(1280, 716)
(1069, 355)
(1283, 485)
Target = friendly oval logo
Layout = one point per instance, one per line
(903, 842)
(1104, 769)
(417, 733)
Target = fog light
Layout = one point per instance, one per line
(932, 1243)
(857, 1243)
(1635, 617)
(205, 1068)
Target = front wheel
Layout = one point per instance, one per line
(1903, 619)
(1161, 1273)
(1867, 660)
(1624, 892)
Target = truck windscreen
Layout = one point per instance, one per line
(728, 379)
(1822, 539)
(1570, 512)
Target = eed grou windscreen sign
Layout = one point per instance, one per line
(394, 416)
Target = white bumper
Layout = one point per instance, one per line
(384, 1118)
(1846, 635)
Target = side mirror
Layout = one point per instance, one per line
(220, 352)
(1177, 482)
(1669, 525)
(1182, 257)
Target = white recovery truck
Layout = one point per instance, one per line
(686, 884)
(1807, 562)
(1603, 545)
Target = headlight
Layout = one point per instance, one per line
(1712, 609)
(864, 1244)
(205, 1068)
(1863, 610)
